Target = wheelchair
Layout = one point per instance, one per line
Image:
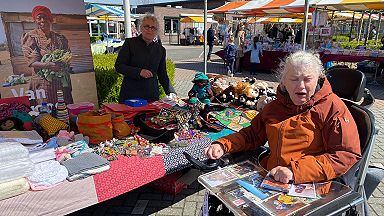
(350, 86)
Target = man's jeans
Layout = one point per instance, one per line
(209, 51)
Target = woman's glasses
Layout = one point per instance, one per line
(147, 27)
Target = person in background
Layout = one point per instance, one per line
(35, 45)
(379, 71)
(372, 33)
(239, 42)
(298, 36)
(228, 33)
(210, 41)
(273, 32)
(142, 62)
(256, 52)
(310, 131)
(230, 53)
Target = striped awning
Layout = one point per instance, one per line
(297, 6)
(103, 10)
(273, 7)
(275, 20)
(227, 6)
(348, 16)
(351, 5)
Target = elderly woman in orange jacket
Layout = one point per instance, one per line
(311, 133)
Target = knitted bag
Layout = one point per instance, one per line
(120, 127)
(50, 124)
(97, 127)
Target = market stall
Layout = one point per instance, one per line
(125, 174)
(271, 59)
(67, 157)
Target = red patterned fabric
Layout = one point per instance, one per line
(130, 112)
(126, 174)
(271, 59)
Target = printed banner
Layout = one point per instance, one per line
(45, 47)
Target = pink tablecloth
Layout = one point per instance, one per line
(271, 59)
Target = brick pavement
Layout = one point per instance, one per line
(189, 201)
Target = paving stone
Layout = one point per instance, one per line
(160, 203)
(179, 197)
(167, 196)
(378, 194)
(189, 208)
(378, 210)
(150, 211)
(195, 197)
(188, 191)
(150, 196)
(178, 204)
(170, 211)
(140, 207)
(120, 209)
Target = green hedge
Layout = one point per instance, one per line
(108, 82)
(353, 44)
(95, 38)
(345, 44)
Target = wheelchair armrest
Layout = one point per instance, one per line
(227, 159)
(368, 99)
(261, 153)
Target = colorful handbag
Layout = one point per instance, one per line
(98, 127)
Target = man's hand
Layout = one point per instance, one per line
(282, 174)
(146, 73)
(214, 151)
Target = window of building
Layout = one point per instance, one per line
(171, 25)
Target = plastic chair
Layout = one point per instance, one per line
(350, 84)
(355, 177)
(338, 66)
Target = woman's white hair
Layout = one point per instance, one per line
(309, 61)
(150, 16)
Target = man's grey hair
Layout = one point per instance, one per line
(150, 16)
(310, 61)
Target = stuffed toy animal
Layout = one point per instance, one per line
(263, 101)
(239, 88)
(262, 87)
(201, 90)
(219, 85)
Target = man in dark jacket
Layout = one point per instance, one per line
(142, 62)
(210, 40)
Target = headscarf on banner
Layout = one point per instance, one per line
(41, 10)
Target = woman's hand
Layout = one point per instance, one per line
(282, 174)
(214, 151)
(146, 73)
(53, 66)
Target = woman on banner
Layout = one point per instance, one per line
(48, 53)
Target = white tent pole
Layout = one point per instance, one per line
(305, 25)
(205, 35)
(360, 26)
(127, 19)
(368, 28)
(378, 28)
(352, 23)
